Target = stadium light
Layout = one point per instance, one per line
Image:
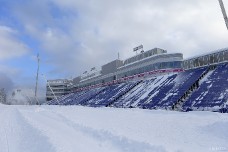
(140, 47)
(224, 13)
(37, 74)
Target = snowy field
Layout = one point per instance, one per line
(84, 129)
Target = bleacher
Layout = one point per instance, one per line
(171, 89)
(158, 93)
(111, 94)
(70, 99)
(162, 92)
(77, 98)
(182, 84)
(87, 96)
(212, 93)
(61, 100)
(132, 98)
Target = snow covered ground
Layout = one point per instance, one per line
(85, 129)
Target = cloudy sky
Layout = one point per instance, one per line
(72, 36)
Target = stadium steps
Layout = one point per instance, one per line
(212, 95)
(178, 106)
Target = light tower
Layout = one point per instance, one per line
(224, 12)
(37, 75)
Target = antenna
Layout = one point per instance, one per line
(224, 12)
(37, 75)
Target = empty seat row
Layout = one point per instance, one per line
(162, 91)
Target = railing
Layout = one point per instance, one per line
(131, 78)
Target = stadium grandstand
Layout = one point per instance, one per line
(155, 79)
(57, 88)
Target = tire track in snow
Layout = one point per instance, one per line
(122, 143)
(63, 137)
(20, 136)
(3, 132)
(68, 136)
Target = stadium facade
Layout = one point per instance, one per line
(212, 58)
(57, 88)
(145, 63)
(152, 64)
(151, 60)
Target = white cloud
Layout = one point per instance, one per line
(10, 47)
(11, 71)
(175, 25)
(99, 29)
(6, 82)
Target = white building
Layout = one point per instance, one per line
(57, 87)
(145, 61)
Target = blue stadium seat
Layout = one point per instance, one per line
(160, 92)
(109, 95)
(213, 91)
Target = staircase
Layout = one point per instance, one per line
(178, 105)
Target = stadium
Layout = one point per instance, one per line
(153, 79)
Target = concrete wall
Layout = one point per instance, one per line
(111, 67)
